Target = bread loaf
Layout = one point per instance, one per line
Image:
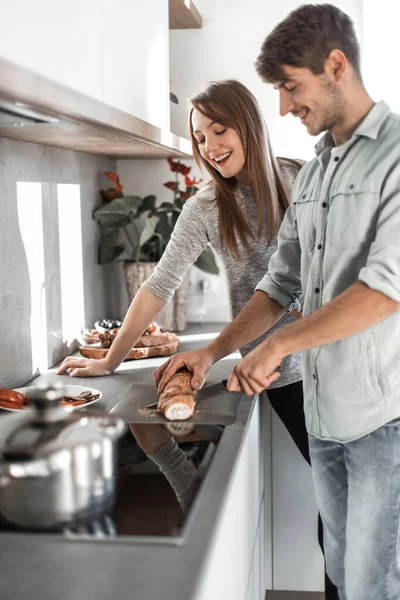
(177, 401)
(179, 430)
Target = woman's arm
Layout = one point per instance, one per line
(143, 309)
(188, 240)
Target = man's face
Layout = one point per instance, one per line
(316, 99)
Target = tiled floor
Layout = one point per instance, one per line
(294, 596)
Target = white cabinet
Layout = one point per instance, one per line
(60, 40)
(136, 59)
(113, 50)
(255, 587)
(291, 515)
(232, 568)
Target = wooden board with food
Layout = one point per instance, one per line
(153, 342)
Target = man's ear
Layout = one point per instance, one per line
(336, 65)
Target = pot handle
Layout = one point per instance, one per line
(114, 429)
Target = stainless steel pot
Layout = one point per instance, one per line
(56, 466)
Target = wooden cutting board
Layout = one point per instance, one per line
(135, 353)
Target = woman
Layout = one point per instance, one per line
(239, 212)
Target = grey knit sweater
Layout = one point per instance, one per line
(197, 225)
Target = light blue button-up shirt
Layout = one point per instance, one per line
(343, 226)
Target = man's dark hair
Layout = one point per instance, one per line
(305, 39)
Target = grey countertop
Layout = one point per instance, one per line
(49, 567)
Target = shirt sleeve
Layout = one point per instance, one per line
(282, 282)
(382, 269)
(188, 240)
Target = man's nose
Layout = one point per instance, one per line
(286, 104)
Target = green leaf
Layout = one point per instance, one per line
(109, 247)
(149, 230)
(147, 205)
(206, 261)
(165, 224)
(115, 211)
(168, 205)
(179, 202)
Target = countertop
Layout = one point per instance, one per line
(49, 567)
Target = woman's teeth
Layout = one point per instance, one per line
(221, 159)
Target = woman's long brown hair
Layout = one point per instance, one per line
(231, 104)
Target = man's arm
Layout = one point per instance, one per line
(356, 309)
(259, 314)
(257, 317)
(272, 299)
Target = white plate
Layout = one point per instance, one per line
(70, 390)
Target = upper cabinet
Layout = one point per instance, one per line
(184, 15)
(62, 40)
(136, 58)
(101, 66)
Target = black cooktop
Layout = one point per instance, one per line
(154, 495)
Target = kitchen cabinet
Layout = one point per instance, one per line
(184, 15)
(113, 50)
(291, 515)
(136, 59)
(62, 41)
(232, 568)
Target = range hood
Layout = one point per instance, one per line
(18, 115)
(35, 109)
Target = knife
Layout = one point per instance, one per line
(205, 392)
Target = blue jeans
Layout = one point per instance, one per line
(357, 488)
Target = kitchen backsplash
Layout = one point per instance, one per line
(50, 283)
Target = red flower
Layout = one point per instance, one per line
(115, 179)
(191, 182)
(172, 165)
(184, 195)
(172, 185)
(178, 166)
(184, 170)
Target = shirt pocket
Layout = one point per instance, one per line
(306, 206)
(353, 213)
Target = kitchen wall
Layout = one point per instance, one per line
(226, 47)
(50, 283)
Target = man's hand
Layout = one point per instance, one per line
(257, 370)
(84, 367)
(199, 362)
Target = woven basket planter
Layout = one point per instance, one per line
(174, 314)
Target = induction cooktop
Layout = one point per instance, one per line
(157, 483)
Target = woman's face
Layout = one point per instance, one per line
(220, 146)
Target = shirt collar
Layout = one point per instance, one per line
(369, 127)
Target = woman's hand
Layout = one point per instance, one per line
(84, 367)
(199, 362)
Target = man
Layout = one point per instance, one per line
(340, 244)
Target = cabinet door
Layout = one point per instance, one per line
(59, 40)
(226, 573)
(136, 58)
(255, 589)
(297, 558)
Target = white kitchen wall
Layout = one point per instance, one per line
(48, 238)
(226, 47)
(380, 51)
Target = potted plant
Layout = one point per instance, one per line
(122, 237)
